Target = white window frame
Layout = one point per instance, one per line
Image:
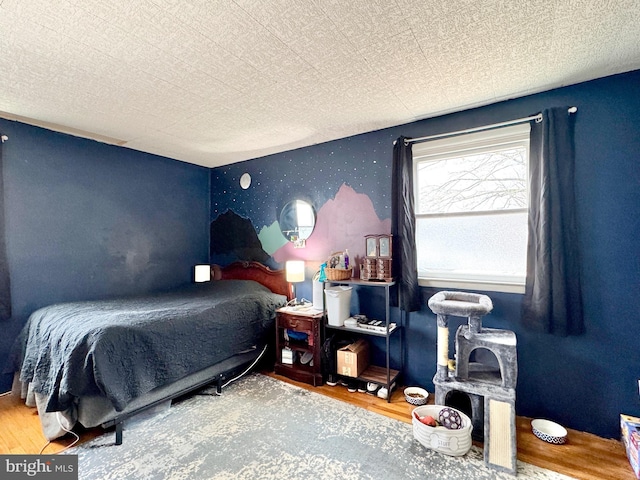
(514, 135)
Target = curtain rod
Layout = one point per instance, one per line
(537, 118)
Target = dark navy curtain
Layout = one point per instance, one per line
(553, 296)
(403, 228)
(5, 287)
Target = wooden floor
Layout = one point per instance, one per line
(584, 456)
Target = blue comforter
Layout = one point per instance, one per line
(124, 348)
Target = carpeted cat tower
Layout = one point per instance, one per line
(490, 390)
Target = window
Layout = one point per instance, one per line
(471, 203)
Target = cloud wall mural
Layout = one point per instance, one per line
(234, 238)
(271, 238)
(341, 223)
(347, 181)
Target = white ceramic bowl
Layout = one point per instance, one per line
(549, 431)
(416, 395)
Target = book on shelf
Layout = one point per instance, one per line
(377, 328)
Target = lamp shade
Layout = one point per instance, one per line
(202, 273)
(295, 271)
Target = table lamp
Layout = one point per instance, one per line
(295, 273)
(202, 273)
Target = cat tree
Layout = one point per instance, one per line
(490, 390)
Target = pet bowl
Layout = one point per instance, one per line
(549, 431)
(416, 395)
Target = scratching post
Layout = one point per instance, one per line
(443, 347)
(491, 391)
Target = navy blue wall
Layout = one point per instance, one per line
(583, 382)
(86, 220)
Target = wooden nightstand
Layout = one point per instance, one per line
(307, 327)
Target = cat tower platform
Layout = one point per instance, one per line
(490, 390)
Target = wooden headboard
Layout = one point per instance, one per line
(274, 280)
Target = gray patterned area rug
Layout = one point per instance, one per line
(262, 428)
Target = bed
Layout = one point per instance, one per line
(100, 363)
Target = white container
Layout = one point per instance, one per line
(338, 301)
(318, 288)
(441, 439)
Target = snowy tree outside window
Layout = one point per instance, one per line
(471, 209)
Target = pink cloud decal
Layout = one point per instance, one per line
(341, 223)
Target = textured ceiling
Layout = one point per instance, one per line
(213, 82)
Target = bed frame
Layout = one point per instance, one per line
(227, 370)
(275, 281)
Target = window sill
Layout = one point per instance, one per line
(473, 285)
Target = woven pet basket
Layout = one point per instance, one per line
(441, 439)
(338, 273)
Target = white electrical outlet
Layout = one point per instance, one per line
(639, 386)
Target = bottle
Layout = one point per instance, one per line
(346, 259)
(323, 276)
(318, 290)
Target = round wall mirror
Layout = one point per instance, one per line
(297, 220)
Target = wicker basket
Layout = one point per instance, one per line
(440, 439)
(338, 273)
